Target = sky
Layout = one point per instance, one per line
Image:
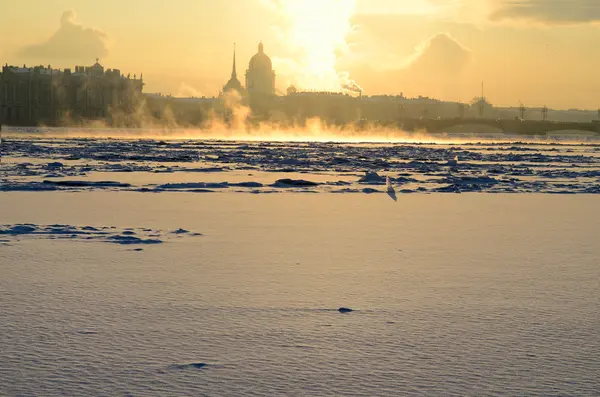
(535, 52)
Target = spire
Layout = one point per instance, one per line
(233, 72)
(261, 48)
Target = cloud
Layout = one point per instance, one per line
(554, 12)
(546, 12)
(440, 55)
(436, 68)
(71, 41)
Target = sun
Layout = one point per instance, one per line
(315, 32)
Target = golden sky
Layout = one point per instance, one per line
(539, 52)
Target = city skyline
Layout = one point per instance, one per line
(417, 48)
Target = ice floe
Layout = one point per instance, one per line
(106, 234)
(46, 164)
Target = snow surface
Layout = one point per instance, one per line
(452, 295)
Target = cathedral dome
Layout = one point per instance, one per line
(260, 77)
(260, 60)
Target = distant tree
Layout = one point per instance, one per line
(481, 105)
(292, 90)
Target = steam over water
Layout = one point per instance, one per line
(217, 268)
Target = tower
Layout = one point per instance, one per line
(545, 113)
(234, 84)
(481, 102)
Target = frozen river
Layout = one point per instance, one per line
(155, 166)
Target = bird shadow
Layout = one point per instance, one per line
(392, 193)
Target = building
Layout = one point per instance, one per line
(168, 111)
(330, 107)
(260, 84)
(234, 84)
(40, 95)
(260, 77)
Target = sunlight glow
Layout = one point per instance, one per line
(403, 7)
(315, 31)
